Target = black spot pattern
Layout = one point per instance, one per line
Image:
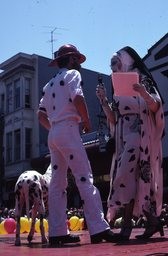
(145, 172)
(141, 121)
(127, 118)
(71, 157)
(19, 186)
(146, 198)
(83, 179)
(118, 203)
(132, 169)
(127, 108)
(141, 149)
(55, 167)
(131, 150)
(35, 178)
(62, 83)
(151, 193)
(146, 151)
(34, 185)
(132, 158)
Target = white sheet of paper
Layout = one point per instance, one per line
(122, 83)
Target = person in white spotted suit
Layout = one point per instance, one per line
(62, 108)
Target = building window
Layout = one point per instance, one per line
(9, 99)
(17, 145)
(162, 53)
(28, 142)
(165, 72)
(2, 103)
(17, 94)
(27, 92)
(9, 147)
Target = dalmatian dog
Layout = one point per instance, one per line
(31, 190)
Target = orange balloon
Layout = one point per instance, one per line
(2, 228)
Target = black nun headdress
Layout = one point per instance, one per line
(140, 65)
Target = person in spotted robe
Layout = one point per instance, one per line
(138, 124)
(62, 109)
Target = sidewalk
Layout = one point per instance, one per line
(155, 246)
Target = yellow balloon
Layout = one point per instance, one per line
(37, 225)
(74, 223)
(81, 221)
(25, 225)
(2, 228)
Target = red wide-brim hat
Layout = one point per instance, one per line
(64, 51)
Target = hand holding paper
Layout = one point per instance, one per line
(146, 96)
(141, 89)
(123, 83)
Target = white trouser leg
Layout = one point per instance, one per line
(58, 198)
(90, 195)
(72, 154)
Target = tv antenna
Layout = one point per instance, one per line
(52, 41)
(52, 38)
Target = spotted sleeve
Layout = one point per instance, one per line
(74, 81)
(43, 101)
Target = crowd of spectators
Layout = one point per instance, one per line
(10, 213)
(6, 213)
(139, 223)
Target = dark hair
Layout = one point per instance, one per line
(62, 62)
(139, 63)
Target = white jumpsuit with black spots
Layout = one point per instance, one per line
(67, 150)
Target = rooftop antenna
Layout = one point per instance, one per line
(52, 42)
(52, 37)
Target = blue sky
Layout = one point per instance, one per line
(98, 28)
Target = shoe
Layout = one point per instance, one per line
(56, 240)
(106, 235)
(151, 230)
(124, 234)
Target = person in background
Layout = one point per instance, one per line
(136, 172)
(62, 108)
